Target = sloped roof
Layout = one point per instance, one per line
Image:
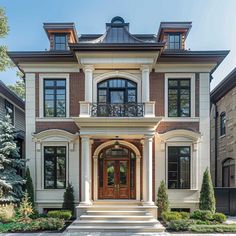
(116, 32)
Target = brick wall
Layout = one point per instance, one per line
(157, 92)
(167, 126)
(76, 92)
(69, 126)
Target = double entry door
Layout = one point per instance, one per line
(116, 179)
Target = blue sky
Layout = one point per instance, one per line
(214, 23)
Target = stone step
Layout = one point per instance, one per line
(117, 212)
(109, 222)
(117, 217)
(102, 228)
(117, 202)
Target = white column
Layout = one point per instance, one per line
(147, 171)
(85, 171)
(145, 83)
(88, 71)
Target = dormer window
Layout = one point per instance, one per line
(60, 42)
(174, 41)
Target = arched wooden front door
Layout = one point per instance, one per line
(116, 173)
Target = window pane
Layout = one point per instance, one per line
(49, 91)
(179, 167)
(172, 82)
(61, 108)
(61, 83)
(185, 82)
(61, 172)
(49, 82)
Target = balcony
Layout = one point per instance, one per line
(146, 109)
(117, 110)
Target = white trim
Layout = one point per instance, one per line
(50, 67)
(54, 119)
(113, 74)
(181, 119)
(191, 76)
(184, 67)
(54, 76)
(56, 144)
(95, 166)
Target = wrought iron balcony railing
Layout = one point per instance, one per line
(117, 110)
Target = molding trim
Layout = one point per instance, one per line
(180, 133)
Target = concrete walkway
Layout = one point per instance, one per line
(109, 234)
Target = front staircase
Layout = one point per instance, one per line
(116, 216)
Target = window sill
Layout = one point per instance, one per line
(183, 189)
(48, 119)
(182, 119)
(222, 136)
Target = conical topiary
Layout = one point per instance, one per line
(207, 197)
(29, 186)
(68, 203)
(162, 199)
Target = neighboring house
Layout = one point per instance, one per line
(223, 132)
(115, 114)
(14, 106)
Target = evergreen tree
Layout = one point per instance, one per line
(25, 208)
(68, 203)
(29, 186)
(10, 164)
(162, 199)
(207, 196)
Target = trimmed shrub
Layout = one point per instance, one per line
(162, 199)
(184, 215)
(168, 216)
(219, 217)
(202, 215)
(207, 197)
(61, 214)
(68, 202)
(213, 228)
(29, 186)
(7, 213)
(33, 225)
(179, 225)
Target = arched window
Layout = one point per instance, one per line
(222, 123)
(117, 91)
(228, 173)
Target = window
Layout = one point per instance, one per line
(228, 173)
(179, 97)
(60, 42)
(174, 41)
(178, 167)
(117, 91)
(9, 111)
(222, 123)
(54, 97)
(54, 167)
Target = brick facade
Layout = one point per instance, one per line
(157, 92)
(167, 126)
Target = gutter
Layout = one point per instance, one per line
(216, 143)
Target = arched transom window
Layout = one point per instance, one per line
(117, 91)
(228, 173)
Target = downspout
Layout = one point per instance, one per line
(216, 143)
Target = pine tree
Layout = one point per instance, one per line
(162, 199)
(29, 186)
(10, 163)
(68, 203)
(207, 197)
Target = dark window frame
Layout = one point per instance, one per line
(109, 88)
(178, 164)
(178, 88)
(54, 88)
(55, 167)
(11, 106)
(174, 42)
(222, 123)
(64, 44)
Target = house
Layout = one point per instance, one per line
(223, 132)
(14, 107)
(115, 114)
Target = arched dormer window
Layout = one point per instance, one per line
(228, 173)
(222, 123)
